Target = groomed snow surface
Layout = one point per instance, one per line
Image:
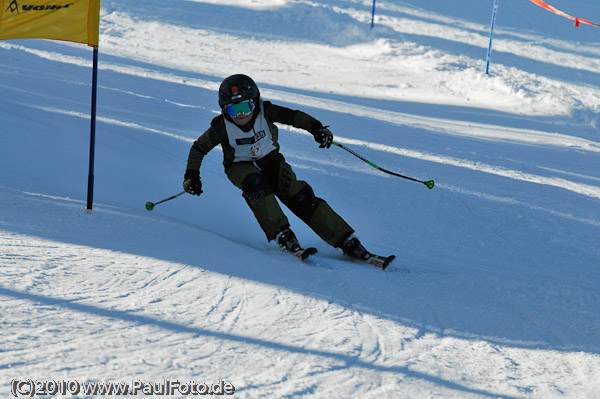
(495, 289)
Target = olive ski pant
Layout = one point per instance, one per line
(261, 184)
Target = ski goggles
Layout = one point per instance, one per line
(240, 109)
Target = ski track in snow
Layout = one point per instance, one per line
(493, 294)
(106, 297)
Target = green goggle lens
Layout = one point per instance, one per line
(240, 109)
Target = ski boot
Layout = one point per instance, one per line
(287, 241)
(354, 249)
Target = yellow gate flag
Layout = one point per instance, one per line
(70, 20)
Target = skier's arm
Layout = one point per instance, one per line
(293, 117)
(191, 180)
(301, 120)
(202, 146)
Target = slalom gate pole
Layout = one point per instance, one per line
(429, 183)
(489, 51)
(373, 15)
(90, 192)
(150, 205)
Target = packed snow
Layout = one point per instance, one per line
(494, 292)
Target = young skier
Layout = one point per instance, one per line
(246, 131)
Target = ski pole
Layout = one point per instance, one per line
(150, 205)
(429, 183)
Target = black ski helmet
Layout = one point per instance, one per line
(237, 88)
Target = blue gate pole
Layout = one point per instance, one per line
(489, 51)
(373, 16)
(90, 193)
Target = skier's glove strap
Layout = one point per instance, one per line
(324, 137)
(192, 183)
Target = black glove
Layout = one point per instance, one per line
(324, 137)
(192, 183)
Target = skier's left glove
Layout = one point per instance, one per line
(324, 137)
(192, 183)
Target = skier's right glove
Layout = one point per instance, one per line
(192, 183)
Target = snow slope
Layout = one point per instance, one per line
(495, 290)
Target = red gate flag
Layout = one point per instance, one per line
(562, 14)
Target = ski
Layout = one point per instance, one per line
(303, 253)
(381, 262)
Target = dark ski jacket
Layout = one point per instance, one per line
(217, 133)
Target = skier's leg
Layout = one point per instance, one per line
(258, 194)
(299, 197)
